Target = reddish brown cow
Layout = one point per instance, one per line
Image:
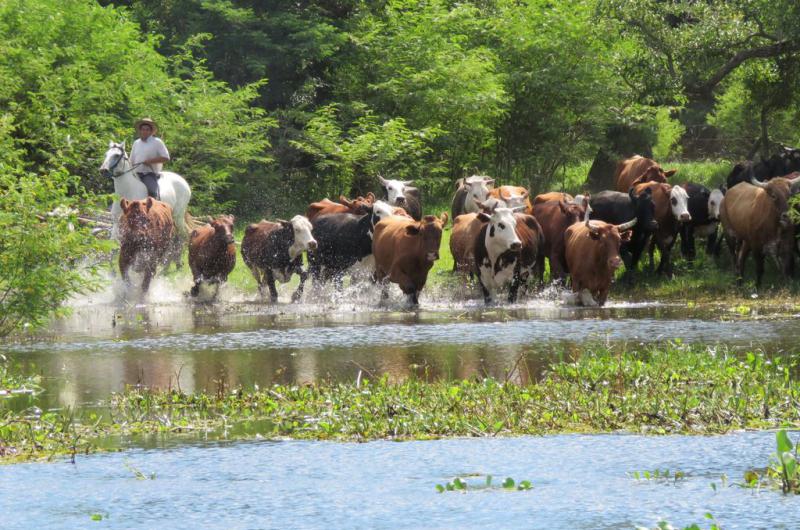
(756, 217)
(555, 217)
(212, 253)
(405, 250)
(552, 196)
(636, 170)
(592, 252)
(146, 234)
(513, 196)
(357, 206)
(462, 241)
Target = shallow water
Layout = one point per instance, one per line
(103, 346)
(579, 482)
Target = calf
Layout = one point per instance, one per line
(343, 239)
(212, 253)
(592, 250)
(555, 217)
(704, 208)
(469, 190)
(506, 253)
(404, 252)
(638, 170)
(400, 193)
(462, 241)
(357, 206)
(146, 234)
(274, 251)
(615, 207)
(756, 216)
(671, 209)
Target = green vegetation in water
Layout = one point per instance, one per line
(658, 474)
(11, 382)
(783, 472)
(655, 389)
(663, 525)
(458, 484)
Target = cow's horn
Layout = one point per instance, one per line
(627, 226)
(794, 185)
(593, 229)
(755, 182)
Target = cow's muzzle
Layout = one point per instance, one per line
(516, 246)
(312, 245)
(432, 256)
(229, 239)
(400, 200)
(653, 226)
(685, 217)
(615, 262)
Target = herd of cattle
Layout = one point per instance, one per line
(501, 236)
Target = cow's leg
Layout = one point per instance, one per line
(513, 289)
(687, 242)
(149, 272)
(273, 292)
(602, 296)
(712, 244)
(758, 256)
(125, 262)
(741, 258)
(487, 295)
(259, 277)
(196, 287)
(299, 291)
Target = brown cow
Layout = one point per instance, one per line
(552, 196)
(146, 234)
(357, 206)
(405, 250)
(274, 251)
(212, 253)
(555, 217)
(637, 170)
(462, 241)
(756, 216)
(671, 210)
(513, 196)
(592, 251)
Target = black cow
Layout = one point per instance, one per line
(616, 208)
(786, 161)
(704, 208)
(342, 240)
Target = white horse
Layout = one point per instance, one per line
(173, 188)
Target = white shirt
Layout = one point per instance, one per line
(142, 151)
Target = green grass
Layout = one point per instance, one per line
(665, 388)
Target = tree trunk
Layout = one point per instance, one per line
(764, 132)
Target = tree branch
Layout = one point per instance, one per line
(772, 50)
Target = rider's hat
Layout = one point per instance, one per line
(146, 121)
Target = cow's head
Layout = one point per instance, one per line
(714, 202)
(573, 212)
(514, 196)
(302, 240)
(645, 209)
(429, 230)
(501, 234)
(679, 204)
(583, 201)
(779, 190)
(359, 205)
(223, 228)
(654, 174)
(136, 212)
(477, 188)
(610, 237)
(395, 190)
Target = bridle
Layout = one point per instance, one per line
(122, 156)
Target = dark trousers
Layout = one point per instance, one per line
(150, 180)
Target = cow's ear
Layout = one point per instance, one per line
(483, 217)
(670, 172)
(563, 206)
(149, 203)
(444, 218)
(370, 197)
(626, 235)
(125, 204)
(412, 230)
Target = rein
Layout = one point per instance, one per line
(123, 156)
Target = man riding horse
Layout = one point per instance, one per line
(148, 155)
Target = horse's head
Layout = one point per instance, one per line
(114, 160)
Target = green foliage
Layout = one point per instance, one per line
(46, 256)
(669, 132)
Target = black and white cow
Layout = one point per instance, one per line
(704, 208)
(401, 193)
(507, 251)
(274, 251)
(615, 207)
(470, 191)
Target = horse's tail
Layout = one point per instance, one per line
(190, 223)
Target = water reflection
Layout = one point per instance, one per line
(101, 349)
